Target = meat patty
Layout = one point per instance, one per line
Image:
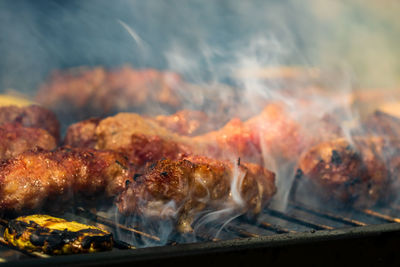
(15, 139)
(31, 116)
(82, 92)
(358, 173)
(40, 179)
(272, 133)
(194, 184)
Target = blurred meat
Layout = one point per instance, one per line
(272, 132)
(140, 138)
(31, 116)
(233, 140)
(186, 122)
(358, 173)
(82, 134)
(83, 93)
(15, 139)
(383, 124)
(277, 132)
(316, 130)
(143, 140)
(42, 179)
(194, 184)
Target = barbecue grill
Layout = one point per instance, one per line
(305, 231)
(302, 234)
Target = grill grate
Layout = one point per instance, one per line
(298, 218)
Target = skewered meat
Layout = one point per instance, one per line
(360, 173)
(52, 235)
(31, 116)
(194, 184)
(97, 92)
(35, 179)
(15, 139)
(144, 140)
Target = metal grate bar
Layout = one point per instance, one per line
(240, 231)
(94, 217)
(327, 215)
(275, 228)
(298, 220)
(378, 215)
(204, 237)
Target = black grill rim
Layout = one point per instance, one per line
(379, 234)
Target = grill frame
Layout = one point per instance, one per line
(371, 244)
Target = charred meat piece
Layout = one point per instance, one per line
(31, 116)
(57, 236)
(83, 93)
(15, 139)
(37, 180)
(356, 174)
(181, 189)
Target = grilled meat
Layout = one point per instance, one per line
(52, 235)
(82, 134)
(383, 124)
(185, 122)
(46, 179)
(15, 139)
(83, 93)
(31, 116)
(144, 140)
(360, 173)
(194, 184)
(141, 139)
(272, 132)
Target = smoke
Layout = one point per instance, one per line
(38, 37)
(352, 43)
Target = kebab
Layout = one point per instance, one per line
(44, 180)
(144, 140)
(359, 172)
(47, 180)
(97, 92)
(31, 116)
(195, 184)
(15, 139)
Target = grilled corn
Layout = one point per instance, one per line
(52, 235)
